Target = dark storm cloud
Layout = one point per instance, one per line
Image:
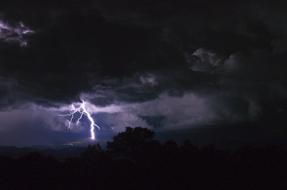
(124, 51)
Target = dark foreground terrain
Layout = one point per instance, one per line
(134, 160)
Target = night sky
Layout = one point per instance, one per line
(213, 72)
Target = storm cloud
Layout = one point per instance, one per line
(166, 64)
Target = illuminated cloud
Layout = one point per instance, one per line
(14, 33)
(149, 80)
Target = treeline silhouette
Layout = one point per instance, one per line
(134, 160)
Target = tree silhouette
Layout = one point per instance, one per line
(131, 140)
(134, 160)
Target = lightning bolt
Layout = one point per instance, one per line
(83, 111)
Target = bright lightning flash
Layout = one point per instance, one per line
(82, 110)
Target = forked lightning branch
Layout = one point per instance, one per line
(81, 108)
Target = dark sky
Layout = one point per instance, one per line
(218, 67)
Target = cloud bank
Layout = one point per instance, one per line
(164, 65)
